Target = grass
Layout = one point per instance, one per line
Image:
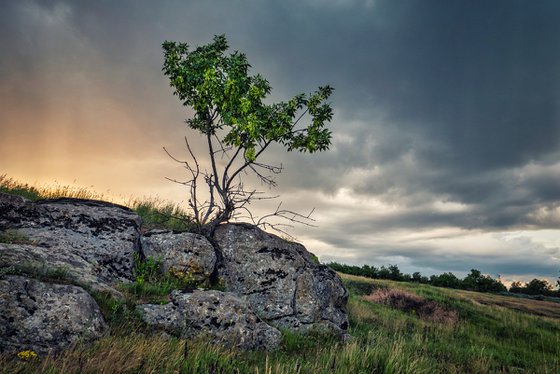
(153, 285)
(156, 213)
(159, 214)
(34, 193)
(60, 275)
(545, 307)
(13, 237)
(491, 334)
(489, 338)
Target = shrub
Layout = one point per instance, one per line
(408, 302)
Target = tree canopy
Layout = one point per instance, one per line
(231, 113)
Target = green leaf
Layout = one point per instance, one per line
(250, 154)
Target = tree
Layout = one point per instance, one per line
(238, 126)
(395, 273)
(384, 273)
(445, 280)
(516, 287)
(369, 271)
(476, 281)
(538, 287)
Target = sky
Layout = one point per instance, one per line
(446, 131)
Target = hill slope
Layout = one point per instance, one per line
(397, 328)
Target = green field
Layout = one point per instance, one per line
(462, 332)
(395, 327)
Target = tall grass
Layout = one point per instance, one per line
(140, 353)
(31, 192)
(487, 339)
(156, 213)
(495, 334)
(160, 214)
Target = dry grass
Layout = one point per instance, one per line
(156, 213)
(138, 353)
(34, 192)
(531, 306)
(405, 301)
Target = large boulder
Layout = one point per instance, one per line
(43, 317)
(281, 280)
(41, 262)
(93, 245)
(94, 241)
(185, 255)
(221, 317)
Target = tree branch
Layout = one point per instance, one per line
(247, 163)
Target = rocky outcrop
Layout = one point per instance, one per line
(222, 317)
(94, 241)
(280, 279)
(94, 245)
(184, 255)
(44, 317)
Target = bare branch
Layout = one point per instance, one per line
(223, 150)
(289, 215)
(264, 179)
(247, 163)
(226, 169)
(214, 174)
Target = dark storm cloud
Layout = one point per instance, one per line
(478, 78)
(471, 89)
(435, 101)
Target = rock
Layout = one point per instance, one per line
(37, 261)
(280, 279)
(184, 255)
(43, 317)
(167, 318)
(222, 317)
(93, 244)
(94, 240)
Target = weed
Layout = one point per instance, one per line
(156, 213)
(160, 214)
(11, 186)
(41, 272)
(13, 237)
(411, 303)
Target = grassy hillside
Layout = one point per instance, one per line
(156, 213)
(396, 327)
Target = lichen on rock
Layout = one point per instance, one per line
(185, 255)
(280, 279)
(74, 245)
(44, 317)
(222, 317)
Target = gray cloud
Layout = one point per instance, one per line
(436, 102)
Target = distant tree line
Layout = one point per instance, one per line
(536, 287)
(475, 281)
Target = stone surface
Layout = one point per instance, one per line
(167, 317)
(42, 317)
(94, 240)
(184, 255)
(93, 245)
(222, 317)
(280, 279)
(30, 259)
